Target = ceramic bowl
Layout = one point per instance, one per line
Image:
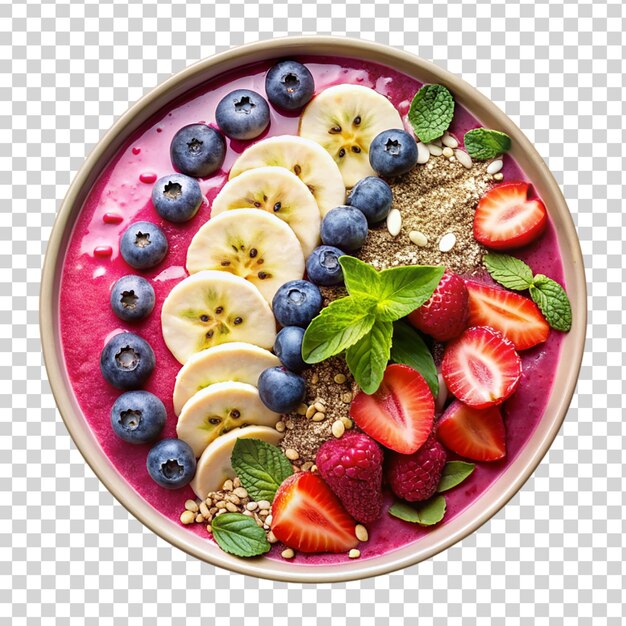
(490, 501)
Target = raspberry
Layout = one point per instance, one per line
(444, 315)
(353, 468)
(414, 477)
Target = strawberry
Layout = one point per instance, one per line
(505, 218)
(307, 516)
(444, 315)
(476, 434)
(515, 316)
(400, 414)
(481, 367)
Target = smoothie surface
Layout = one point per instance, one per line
(124, 189)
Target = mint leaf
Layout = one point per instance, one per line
(510, 272)
(408, 348)
(261, 467)
(484, 143)
(454, 473)
(425, 513)
(359, 277)
(551, 298)
(341, 324)
(431, 112)
(239, 535)
(404, 289)
(368, 357)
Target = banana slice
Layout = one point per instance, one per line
(218, 409)
(344, 120)
(279, 192)
(236, 361)
(211, 308)
(214, 466)
(250, 243)
(306, 159)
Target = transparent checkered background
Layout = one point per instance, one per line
(69, 553)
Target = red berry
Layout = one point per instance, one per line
(353, 468)
(444, 315)
(505, 218)
(481, 367)
(414, 477)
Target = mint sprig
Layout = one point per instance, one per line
(426, 513)
(431, 112)
(484, 143)
(260, 467)
(454, 473)
(546, 293)
(239, 535)
(408, 348)
(361, 323)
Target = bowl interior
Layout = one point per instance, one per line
(567, 371)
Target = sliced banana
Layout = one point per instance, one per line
(344, 120)
(305, 158)
(249, 243)
(214, 465)
(211, 308)
(236, 361)
(279, 192)
(218, 409)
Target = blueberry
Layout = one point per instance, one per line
(296, 303)
(344, 227)
(198, 150)
(143, 245)
(132, 298)
(322, 266)
(289, 85)
(242, 114)
(127, 361)
(373, 197)
(171, 463)
(280, 390)
(393, 153)
(176, 197)
(288, 348)
(138, 417)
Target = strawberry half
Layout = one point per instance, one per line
(307, 516)
(400, 414)
(515, 316)
(481, 367)
(505, 217)
(476, 434)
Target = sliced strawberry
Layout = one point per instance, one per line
(481, 367)
(515, 316)
(307, 516)
(476, 434)
(505, 217)
(400, 414)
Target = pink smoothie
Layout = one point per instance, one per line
(93, 263)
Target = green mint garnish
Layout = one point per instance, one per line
(239, 535)
(553, 302)
(547, 294)
(340, 325)
(368, 358)
(510, 272)
(454, 473)
(361, 323)
(260, 467)
(425, 513)
(431, 112)
(484, 143)
(408, 348)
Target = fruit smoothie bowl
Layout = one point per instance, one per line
(313, 309)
